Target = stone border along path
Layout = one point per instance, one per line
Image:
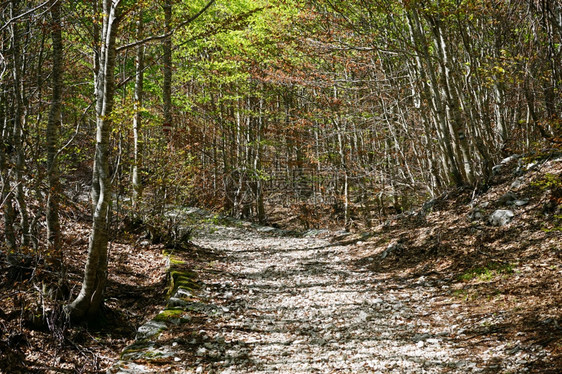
(298, 305)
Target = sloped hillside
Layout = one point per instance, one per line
(503, 277)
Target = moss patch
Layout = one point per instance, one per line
(136, 349)
(168, 314)
(176, 261)
(487, 273)
(184, 279)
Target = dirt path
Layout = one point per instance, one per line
(280, 304)
(300, 305)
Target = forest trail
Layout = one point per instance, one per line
(307, 308)
(281, 304)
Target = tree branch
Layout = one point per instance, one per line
(168, 34)
(24, 14)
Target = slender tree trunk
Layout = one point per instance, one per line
(6, 149)
(54, 238)
(137, 120)
(17, 134)
(260, 209)
(343, 166)
(90, 299)
(454, 115)
(6, 196)
(167, 68)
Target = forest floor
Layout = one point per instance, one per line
(441, 293)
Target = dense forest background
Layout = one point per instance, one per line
(327, 112)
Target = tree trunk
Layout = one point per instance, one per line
(434, 97)
(6, 149)
(137, 120)
(17, 134)
(452, 105)
(90, 299)
(54, 238)
(167, 69)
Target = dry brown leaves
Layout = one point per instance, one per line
(134, 292)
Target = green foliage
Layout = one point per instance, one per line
(461, 293)
(553, 184)
(487, 272)
(215, 219)
(557, 227)
(549, 181)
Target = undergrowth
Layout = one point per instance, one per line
(487, 272)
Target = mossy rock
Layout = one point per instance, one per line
(152, 354)
(176, 261)
(136, 350)
(184, 279)
(169, 315)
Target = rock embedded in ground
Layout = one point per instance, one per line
(509, 159)
(475, 214)
(392, 248)
(517, 183)
(507, 198)
(501, 217)
(150, 329)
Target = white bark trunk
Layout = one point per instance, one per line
(90, 299)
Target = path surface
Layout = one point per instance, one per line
(301, 305)
(280, 304)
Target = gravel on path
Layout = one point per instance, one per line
(301, 305)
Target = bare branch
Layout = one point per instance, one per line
(24, 14)
(168, 34)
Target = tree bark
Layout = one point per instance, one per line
(18, 121)
(54, 238)
(167, 62)
(6, 149)
(90, 299)
(434, 97)
(137, 120)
